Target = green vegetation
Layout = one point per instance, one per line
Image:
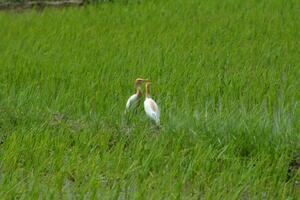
(87, 1)
(22, 1)
(224, 73)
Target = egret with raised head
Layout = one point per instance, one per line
(134, 99)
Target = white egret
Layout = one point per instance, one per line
(150, 106)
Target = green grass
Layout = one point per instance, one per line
(224, 73)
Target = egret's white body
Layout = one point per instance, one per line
(152, 110)
(150, 106)
(133, 101)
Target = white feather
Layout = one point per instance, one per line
(132, 102)
(152, 110)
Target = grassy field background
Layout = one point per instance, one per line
(224, 73)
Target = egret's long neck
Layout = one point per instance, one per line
(138, 91)
(147, 90)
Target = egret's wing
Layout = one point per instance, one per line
(151, 109)
(133, 99)
(155, 107)
(148, 108)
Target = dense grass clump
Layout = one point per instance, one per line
(224, 73)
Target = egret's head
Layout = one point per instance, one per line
(139, 82)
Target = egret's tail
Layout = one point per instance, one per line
(156, 119)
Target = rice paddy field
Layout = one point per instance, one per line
(225, 75)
